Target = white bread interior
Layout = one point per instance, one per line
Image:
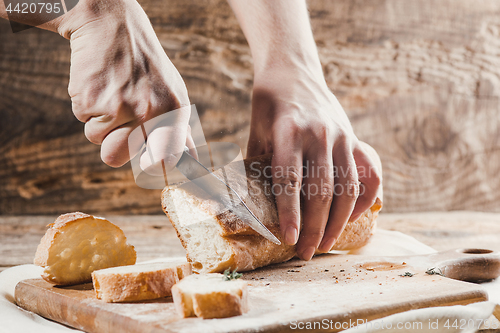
(138, 282)
(217, 241)
(210, 296)
(76, 244)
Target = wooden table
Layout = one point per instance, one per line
(154, 237)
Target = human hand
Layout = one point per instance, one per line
(297, 118)
(120, 78)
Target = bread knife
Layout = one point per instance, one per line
(220, 191)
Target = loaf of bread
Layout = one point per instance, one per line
(138, 282)
(77, 244)
(216, 240)
(210, 296)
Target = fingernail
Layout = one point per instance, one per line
(308, 253)
(327, 245)
(291, 235)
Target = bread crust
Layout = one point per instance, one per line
(47, 257)
(218, 305)
(208, 296)
(153, 281)
(42, 251)
(250, 250)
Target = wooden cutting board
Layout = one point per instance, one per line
(331, 287)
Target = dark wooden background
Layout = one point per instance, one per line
(419, 79)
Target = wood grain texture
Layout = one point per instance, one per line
(420, 81)
(447, 230)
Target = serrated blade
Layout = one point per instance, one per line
(220, 191)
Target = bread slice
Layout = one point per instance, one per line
(77, 244)
(215, 241)
(210, 296)
(138, 282)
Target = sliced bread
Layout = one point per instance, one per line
(210, 296)
(77, 244)
(138, 282)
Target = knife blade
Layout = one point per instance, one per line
(220, 191)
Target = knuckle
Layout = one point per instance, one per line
(351, 192)
(322, 133)
(79, 109)
(288, 215)
(92, 134)
(286, 176)
(342, 135)
(344, 139)
(290, 125)
(324, 193)
(312, 233)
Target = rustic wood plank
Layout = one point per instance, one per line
(154, 237)
(420, 81)
(447, 230)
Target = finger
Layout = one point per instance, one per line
(369, 174)
(98, 128)
(317, 194)
(115, 147)
(166, 139)
(99, 124)
(345, 191)
(287, 179)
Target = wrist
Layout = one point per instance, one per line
(288, 69)
(291, 59)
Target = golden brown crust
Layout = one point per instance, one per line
(183, 303)
(210, 296)
(217, 305)
(69, 217)
(153, 281)
(42, 251)
(78, 243)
